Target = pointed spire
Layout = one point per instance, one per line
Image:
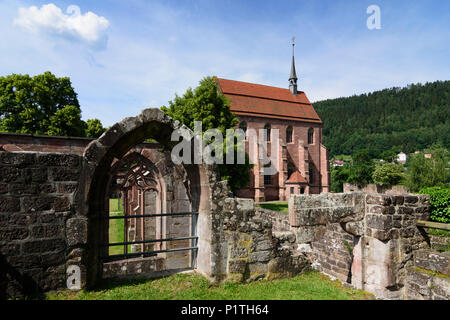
(293, 78)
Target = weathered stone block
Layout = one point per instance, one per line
(405, 210)
(260, 256)
(9, 204)
(37, 175)
(65, 174)
(46, 231)
(24, 261)
(10, 174)
(379, 222)
(10, 249)
(23, 219)
(46, 188)
(411, 199)
(16, 158)
(37, 203)
(76, 231)
(43, 246)
(57, 159)
(284, 236)
(237, 266)
(22, 189)
(13, 233)
(382, 209)
(397, 200)
(380, 199)
(3, 188)
(263, 245)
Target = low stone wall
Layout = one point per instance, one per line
(328, 225)
(367, 240)
(439, 243)
(250, 250)
(133, 267)
(374, 188)
(429, 277)
(37, 196)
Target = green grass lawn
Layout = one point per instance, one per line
(275, 206)
(191, 286)
(116, 227)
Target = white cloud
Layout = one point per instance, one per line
(50, 19)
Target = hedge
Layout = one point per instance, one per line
(439, 203)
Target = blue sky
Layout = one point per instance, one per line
(124, 56)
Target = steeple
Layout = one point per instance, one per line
(293, 78)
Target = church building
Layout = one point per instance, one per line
(303, 166)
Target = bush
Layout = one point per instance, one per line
(439, 202)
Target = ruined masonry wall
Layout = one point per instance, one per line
(249, 249)
(37, 231)
(372, 242)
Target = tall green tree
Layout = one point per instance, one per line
(43, 104)
(94, 128)
(205, 103)
(67, 122)
(27, 103)
(361, 169)
(339, 175)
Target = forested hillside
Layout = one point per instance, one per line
(399, 119)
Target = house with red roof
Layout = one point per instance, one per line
(303, 166)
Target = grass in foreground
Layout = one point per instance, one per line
(308, 286)
(275, 206)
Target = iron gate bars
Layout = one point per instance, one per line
(126, 255)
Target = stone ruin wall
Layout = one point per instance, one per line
(248, 248)
(38, 232)
(371, 241)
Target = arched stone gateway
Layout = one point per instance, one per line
(203, 190)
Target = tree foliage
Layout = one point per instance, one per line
(361, 169)
(439, 202)
(94, 128)
(205, 103)
(66, 122)
(388, 174)
(397, 119)
(424, 172)
(27, 103)
(43, 104)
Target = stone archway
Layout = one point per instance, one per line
(204, 190)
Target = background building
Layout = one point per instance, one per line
(303, 161)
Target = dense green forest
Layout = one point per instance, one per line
(397, 119)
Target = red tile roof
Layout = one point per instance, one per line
(296, 177)
(269, 102)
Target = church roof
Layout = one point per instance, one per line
(269, 102)
(296, 177)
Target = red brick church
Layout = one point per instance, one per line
(303, 160)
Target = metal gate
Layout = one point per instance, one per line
(193, 237)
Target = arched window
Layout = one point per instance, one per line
(289, 134)
(311, 136)
(267, 132)
(243, 126)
